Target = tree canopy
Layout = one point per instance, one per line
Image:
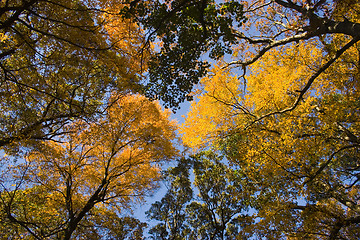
(217, 211)
(291, 125)
(59, 61)
(243, 30)
(274, 125)
(76, 186)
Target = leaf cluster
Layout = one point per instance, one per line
(186, 30)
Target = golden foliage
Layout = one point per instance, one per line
(302, 155)
(114, 161)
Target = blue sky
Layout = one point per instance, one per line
(140, 209)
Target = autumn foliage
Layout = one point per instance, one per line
(101, 167)
(80, 144)
(296, 145)
(271, 141)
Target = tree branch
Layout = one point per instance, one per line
(309, 82)
(325, 164)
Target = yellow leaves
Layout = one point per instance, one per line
(120, 154)
(214, 108)
(67, 64)
(3, 37)
(348, 8)
(36, 205)
(276, 79)
(127, 38)
(273, 84)
(292, 145)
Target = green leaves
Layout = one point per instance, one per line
(170, 210)
(187, 30)
(216, 212)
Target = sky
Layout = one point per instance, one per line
(140, 209)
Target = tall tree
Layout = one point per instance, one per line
(218, 211)
(303, 163)
(186, 30)
(74, 188)
(59, 60)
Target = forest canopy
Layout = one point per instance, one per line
(272, 131)
(281, 107)
(80, 144)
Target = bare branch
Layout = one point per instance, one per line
(271, 44)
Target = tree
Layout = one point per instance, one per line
(170, 210)
(303, 163)
(216, 212)
(41, 208)
(281, 102)
(59, 60)
(83, 184)
(244, 30)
